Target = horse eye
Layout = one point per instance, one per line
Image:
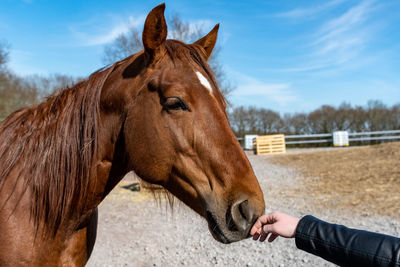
(174, 103)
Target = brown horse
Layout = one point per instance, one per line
(159, 113)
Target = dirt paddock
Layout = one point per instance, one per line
(358, 187)
(361, 179)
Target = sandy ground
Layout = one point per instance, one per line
(359, 179)
(134, 230)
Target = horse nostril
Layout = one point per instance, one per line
(242, 216)
(246, 211)
(230, 222)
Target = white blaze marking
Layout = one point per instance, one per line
(203, 80)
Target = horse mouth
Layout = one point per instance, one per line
(216, 230)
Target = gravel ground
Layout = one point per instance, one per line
(135, 230)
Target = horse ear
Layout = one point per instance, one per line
(208, 41)
(155, 31)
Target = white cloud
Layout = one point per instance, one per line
(341, 39)
(309, 12)
(306, 67)
(337, 41)
(92, 34)
(280, 93)
(345, 26)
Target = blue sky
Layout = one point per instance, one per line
(289, 56)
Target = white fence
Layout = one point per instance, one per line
(308, 136)
(353, 137)
(328, 138)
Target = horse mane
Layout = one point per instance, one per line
(51, 146)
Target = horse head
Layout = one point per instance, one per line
(175, 131)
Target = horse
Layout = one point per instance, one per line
(158, 113)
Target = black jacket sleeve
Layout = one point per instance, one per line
(345, 246)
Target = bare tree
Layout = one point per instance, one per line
(395, 117)
(296, 123)
(237, 118)
(358, 119)
(321, 120)
(52, 83)
(123, 46)
(341, 117)
(15, 93)
(251, 119)
(378, 115)
(131, 43)
(269, 121)
(3, 55)
(182, 30)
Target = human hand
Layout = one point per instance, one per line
(276, 224)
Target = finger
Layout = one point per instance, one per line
(256, 232)
(263, 236)
(258, 225)
(264, 219)
(272, 237)
(256, 229)
(256, 236)
(268, 228)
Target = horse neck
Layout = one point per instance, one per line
(109, 167)
(112, 164)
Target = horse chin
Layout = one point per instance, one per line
(219, 233)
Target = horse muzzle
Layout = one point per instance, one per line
(234, 223)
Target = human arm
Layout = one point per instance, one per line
(335, 243)
(345, 246)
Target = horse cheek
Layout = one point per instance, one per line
(148, 148)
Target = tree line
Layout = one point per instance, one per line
(18, 91)
(374, 116)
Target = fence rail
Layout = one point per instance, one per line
(393, 137)
(376, 132)
(308, 135)
(329, 137)
(353, 137)
(316, 141)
